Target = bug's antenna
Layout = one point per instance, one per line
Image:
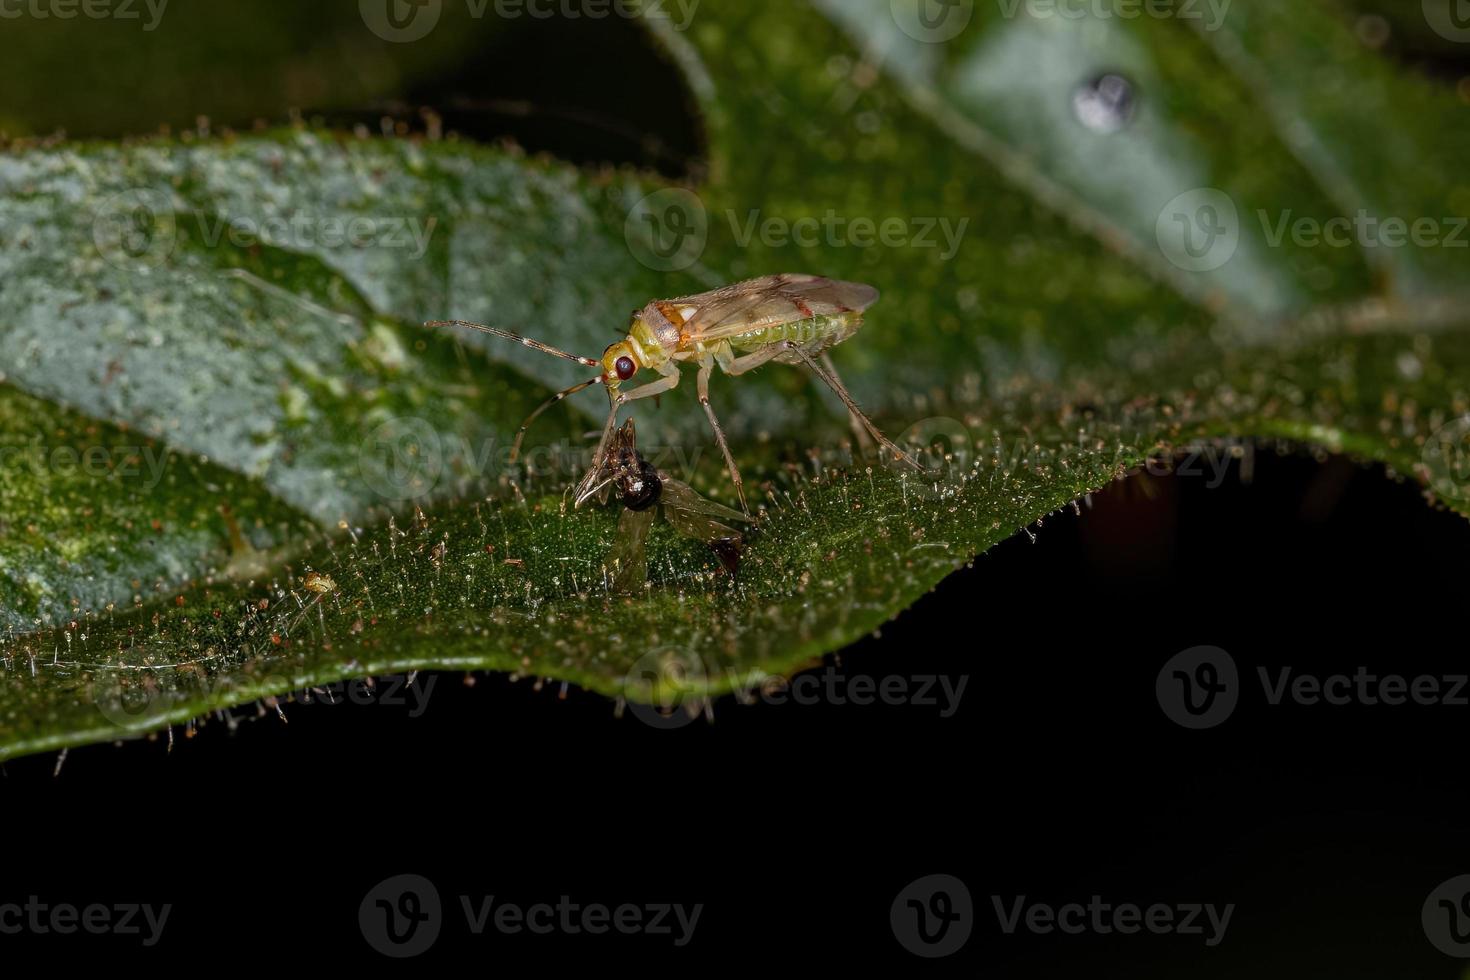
(524, 341)
(515, 448)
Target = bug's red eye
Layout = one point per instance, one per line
(625, 368)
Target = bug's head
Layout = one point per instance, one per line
(619, 363)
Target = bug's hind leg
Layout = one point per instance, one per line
(865, 442)
(735, 366)
(706, 366)
(831, 382)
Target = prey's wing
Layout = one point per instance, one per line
(694, 517)
(757, 303)
(628, 560)
(680, 496)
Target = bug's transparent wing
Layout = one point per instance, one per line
(628, 560)
(765, 302)
(694, 517)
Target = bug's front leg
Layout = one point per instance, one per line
(670, 380)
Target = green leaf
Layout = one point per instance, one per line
(334, 498)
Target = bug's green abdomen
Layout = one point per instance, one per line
(822, 330)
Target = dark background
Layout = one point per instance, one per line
(797, 825)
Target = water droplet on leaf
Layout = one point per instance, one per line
(1105, 104)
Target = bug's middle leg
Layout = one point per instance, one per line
(706, 367)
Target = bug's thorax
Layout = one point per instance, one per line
(653, 337)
